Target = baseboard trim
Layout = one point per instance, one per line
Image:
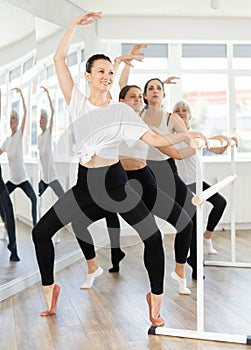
(29, 279)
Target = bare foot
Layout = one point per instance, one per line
(51, 294)
(154, 304)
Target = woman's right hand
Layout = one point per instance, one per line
(133, 54)
(195, 135)
(17, 89)
(87, 18)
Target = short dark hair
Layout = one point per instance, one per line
(147, 83)
(125, 89)
(92, 59)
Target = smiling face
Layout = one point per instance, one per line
(154, 92)
(183, 110)
(101, 75)
(134, 98)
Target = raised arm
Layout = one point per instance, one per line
(51, 108)
(63, 73)
(170, 80)
(133, 53)
(127, 60)
(18, 90)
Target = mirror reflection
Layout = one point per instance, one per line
(33, 117)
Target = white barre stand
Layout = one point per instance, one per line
(198, 200)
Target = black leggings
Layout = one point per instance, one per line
(170, 183)
(157, 202)
(165, 207)
(6, 212)
(219, 204)
(97, 188)
(30, 193)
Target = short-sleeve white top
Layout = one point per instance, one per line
(100, 130)
(187, 167)
(46, 157)
(13, 145)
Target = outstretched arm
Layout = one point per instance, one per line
(220, 150)
(63, 73)
(133, 53)
(176, 153)
(51, 107)
(185, 136)
(155, 138)
(18, 90)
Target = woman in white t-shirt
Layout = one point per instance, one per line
(48, 173)
(100, 125)
(13, 145)
(187, 171)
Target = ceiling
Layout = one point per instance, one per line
(16, 23)
(201, 8)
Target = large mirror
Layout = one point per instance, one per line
(26, 63)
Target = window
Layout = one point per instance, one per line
(204, 56)
(207, 96)
(243, 113)
(215, 79)
(241, 56)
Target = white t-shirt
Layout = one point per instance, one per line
(186, 167)
(46, 157)
(13, 145)
(138, 149)
(100, 130)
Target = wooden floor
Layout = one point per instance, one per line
(114, 315)
(10, 270)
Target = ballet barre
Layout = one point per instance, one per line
(198, 200)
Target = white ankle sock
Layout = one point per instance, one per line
(182, 283)
(91, 278)
(56, 238)
(209, 246)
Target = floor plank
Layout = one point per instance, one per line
(114, 315)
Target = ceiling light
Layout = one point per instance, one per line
(215, 4)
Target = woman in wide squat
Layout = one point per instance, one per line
(99, 125)
(13, 145)
(187, 171)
